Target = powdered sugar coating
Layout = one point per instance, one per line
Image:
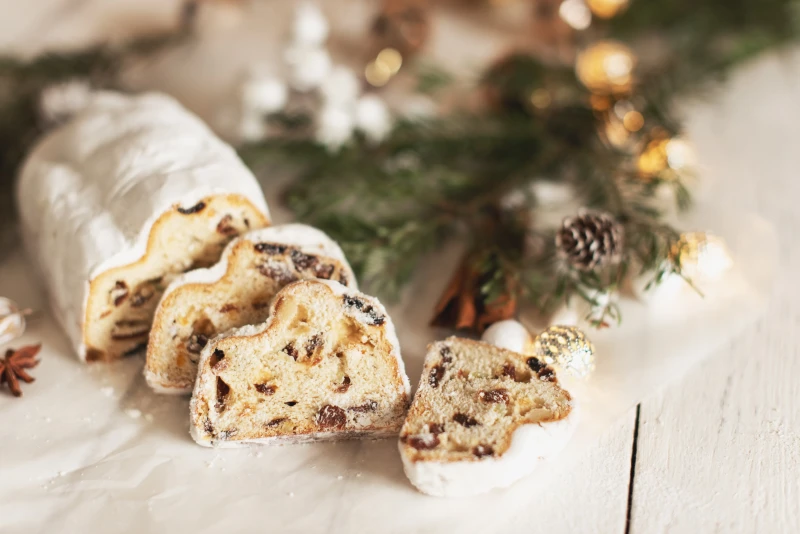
(530, 442)
(90, 191)
(307, 239)
(529, 445)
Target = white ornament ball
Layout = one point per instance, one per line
(252, 128)
(12, 321)
(309, 67)
(510, 335)
(263, 94)
(60, 101)
(567, 315)
(310, 25)
(334, 128)
(373, 118)
(341, 87)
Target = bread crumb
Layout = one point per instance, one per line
(108, 391)
(340, 477)
(133, 413)
(291, 494)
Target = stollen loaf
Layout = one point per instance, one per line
(130, 192)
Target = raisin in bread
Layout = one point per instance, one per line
(481, 419)
(129, 193)
(325, 365)
(237, 291)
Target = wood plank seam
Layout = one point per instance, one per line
(633, 470)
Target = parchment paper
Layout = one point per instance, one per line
(91, 449)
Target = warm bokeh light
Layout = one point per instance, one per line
(605, 9)
(541, 98)
(702, 255)
(575, 13)
(377, 74)
(606, 67)
(391, 59)
(633, 121)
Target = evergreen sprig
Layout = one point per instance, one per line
(435, 180)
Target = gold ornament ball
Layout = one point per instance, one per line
(606, 67)
(605, 9)
(567, 347)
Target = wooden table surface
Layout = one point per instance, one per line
(719, 451)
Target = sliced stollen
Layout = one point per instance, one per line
(481, 419)
(235, 292)
(130, 192)
(325, 365)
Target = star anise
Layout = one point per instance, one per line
(12, 367)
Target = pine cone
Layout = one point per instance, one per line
(590, 240)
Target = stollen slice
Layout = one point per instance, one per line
(235, 292)
(325, 365)
(481, 419)
(116, 202)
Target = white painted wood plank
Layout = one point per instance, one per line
(720, 451)
(592, 497)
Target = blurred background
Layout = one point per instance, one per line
(487, 119)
